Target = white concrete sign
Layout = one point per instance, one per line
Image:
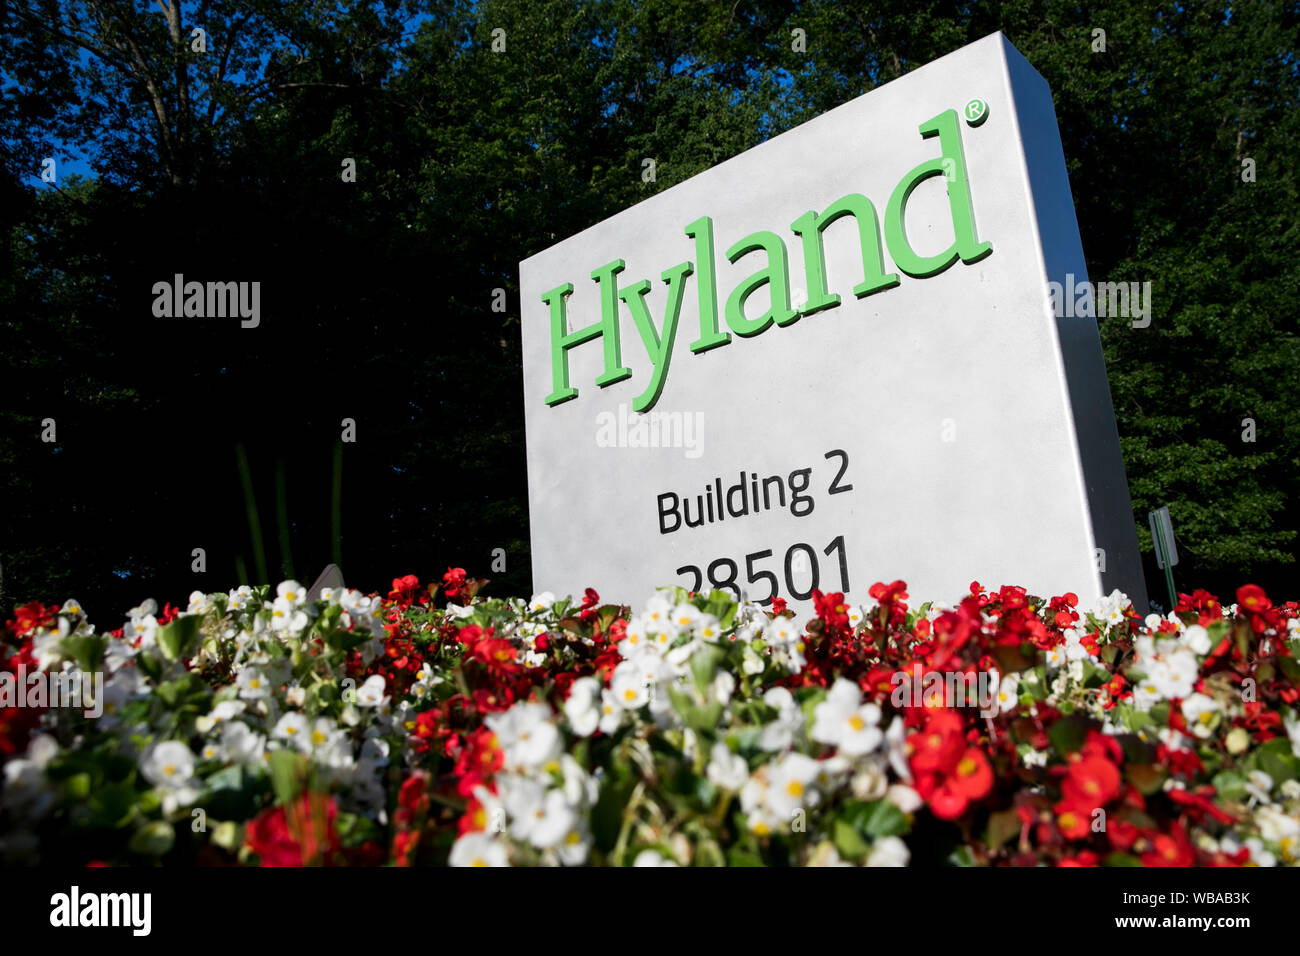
(833, 360)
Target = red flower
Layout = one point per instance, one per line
(1251, 598)
(301, 834)
(778, 605)
(1121, 834)
(938, 745)
(406, 590)
(949, 774)
(1199, 804)
(453, 583)
(589, 601)
(972, 777)
(1073, 820)
(1082, 858)
(31, 616)
(1091, 783)
(889, 593)
(1169, 849)
(498, 655)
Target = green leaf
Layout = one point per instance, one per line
(288, 775)
(152, 839)
(1122, 859)
(113, 805)
(1068, 733)
(77, 786)
(880, 818)
(848, 840)
(86, 649)
(962, 856)
(1147, 778)
(340, 640)
(1230, 784)
(355, 829)
(607, 814)
(1003, 825)
(740, 857)
(180, 638)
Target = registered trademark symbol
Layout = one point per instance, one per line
(977, 111)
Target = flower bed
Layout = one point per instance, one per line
(432, 726)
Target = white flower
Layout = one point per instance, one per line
(629, 685)
(225, 710)
(726, 770)
(240, 745)
(575, 846)
(541, 602)
(1278, 828)
(371, 693)
(658, 611)
(684, 616)
(292, 727)
(636, 639)
(1259, 854)
(354, 601)
(611, 712)
(527, 737)
(1199, 711)
(47, 647)
(583, 706)
(723, 686)
(780, 733)
(708, 627)
(169, 766)
(459, 612)
(581, 789)
(286, 616)
(199, 603)
(553, 821)
(652, 858)
(292, 593)
(896, 748)
(869, 782)
(845, 722)
(252, 684)
(904, 797)
(26, 790)
(1198, 639)
(889, 851)
(791, 785)
(211, 751)
(827, 855)
(477, 849)
(1008, 693)
(1259, 785)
